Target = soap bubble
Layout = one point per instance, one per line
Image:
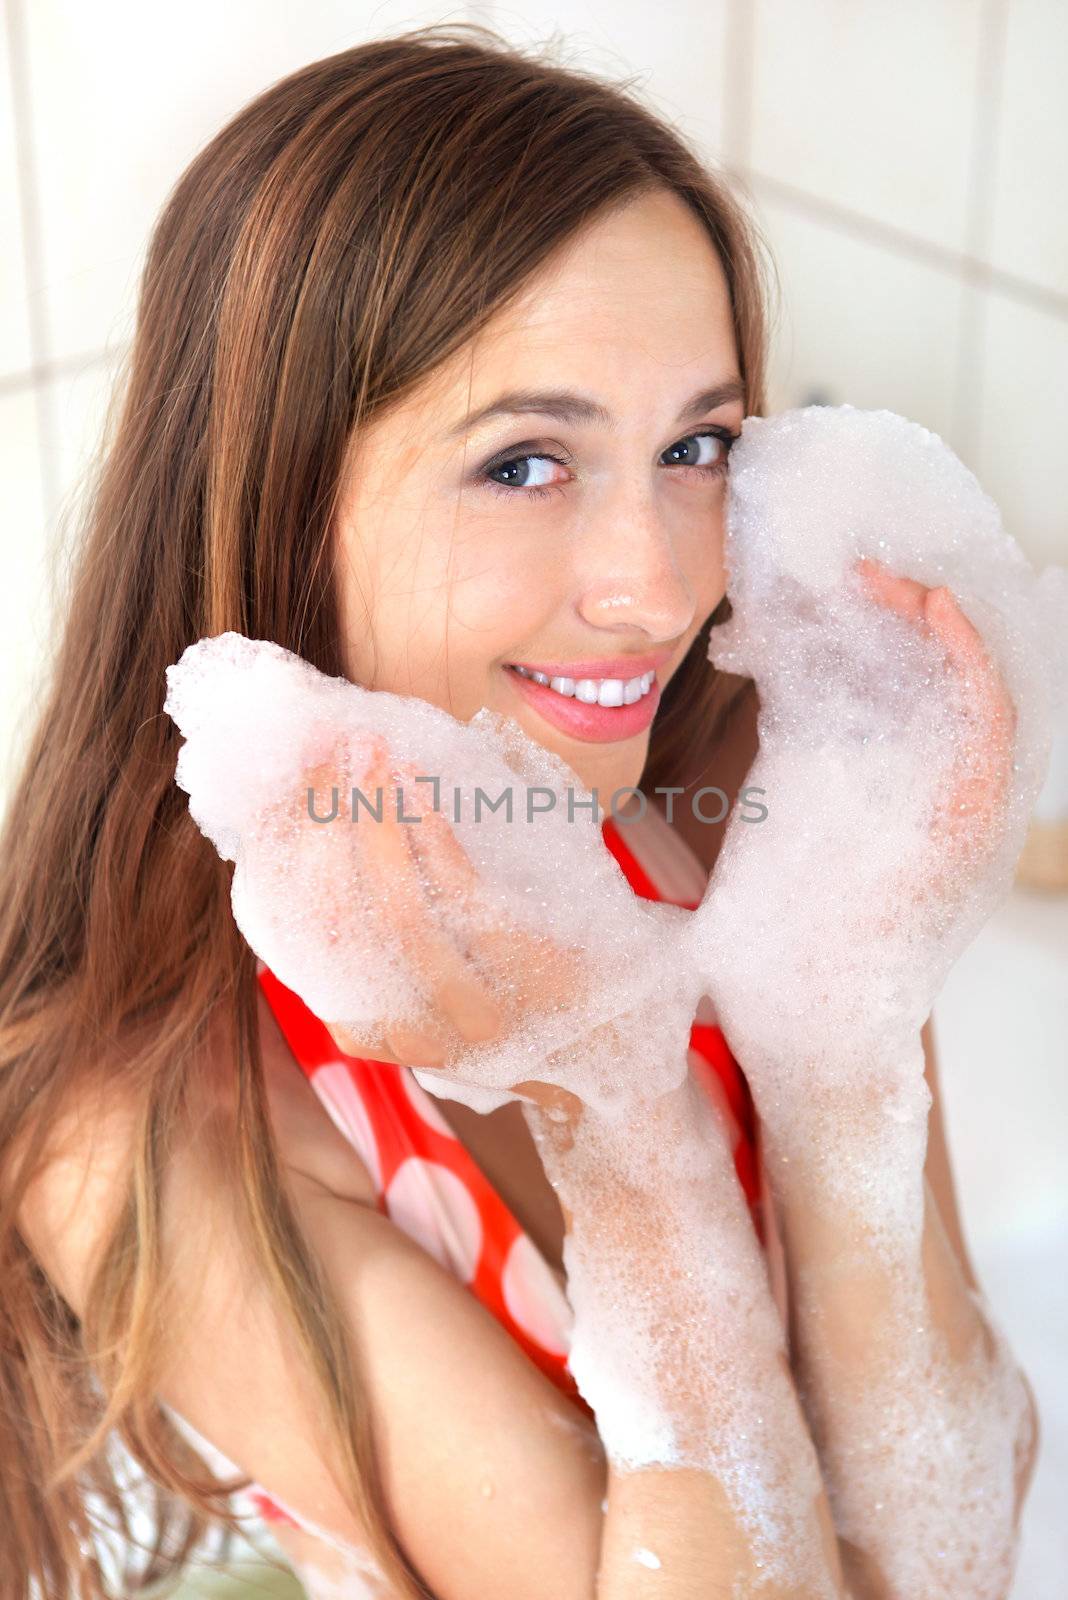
(901, 751)
(898, 776)
(363, 902)
(900, 757)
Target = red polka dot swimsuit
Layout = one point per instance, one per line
(429, 1185)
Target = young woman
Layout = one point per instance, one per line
(439, 357)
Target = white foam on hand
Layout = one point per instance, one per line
(900, 754)
(509, 871)
(677, 1343)
(899, 759)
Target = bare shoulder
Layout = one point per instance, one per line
(74, 1196)
(73, 1201)
(493, 1479)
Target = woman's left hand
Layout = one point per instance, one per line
(967, 824)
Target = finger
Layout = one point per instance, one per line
(394, 866)
(551, 1097)
(983, 767)
(449, 869)
(970, 659)
(361, 1049)
(904, 595)
(938, 608)
(988, 699)
(320, 789)
(556, 1114)
(416, 1047)
(400, 1046)
(530, 966)
(448, 879)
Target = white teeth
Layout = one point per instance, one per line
(595, 691)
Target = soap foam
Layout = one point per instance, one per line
(827, 933)
(817, 935)
(676, 1341)
(260, 724)
(816, 939)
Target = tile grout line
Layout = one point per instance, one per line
(65, 367)
(738, 62)
(970, 374)
(898, 241)
(32, 246)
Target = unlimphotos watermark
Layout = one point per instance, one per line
(539, 800)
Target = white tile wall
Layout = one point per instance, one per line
(678, 51)
(893, 138)
(860, 324)
(1029, 219)
(15, 348)
(23, 591)
(77, 398)
(1022, 410)
(123, 96)
(871, 106)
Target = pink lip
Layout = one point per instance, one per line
(624, 667)
(597, 724)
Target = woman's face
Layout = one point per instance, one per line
(465, 549)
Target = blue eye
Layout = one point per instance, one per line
(714, 466)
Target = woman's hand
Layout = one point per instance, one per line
(826, 964)
(478, 993)
(967, 823)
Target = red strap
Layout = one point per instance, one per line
(636, 875)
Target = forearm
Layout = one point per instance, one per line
(672, 1534)
(678, 1348)
(922, 1420)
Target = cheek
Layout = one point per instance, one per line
(440, 628)
(502, 600)
(704, 561)
(393, 594)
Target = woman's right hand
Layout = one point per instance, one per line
(476, 995)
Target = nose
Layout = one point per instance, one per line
(630, 576)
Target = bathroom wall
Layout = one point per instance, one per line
(905, 160)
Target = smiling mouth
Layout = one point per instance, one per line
(592, 691)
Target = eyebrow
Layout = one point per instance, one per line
(567, 406)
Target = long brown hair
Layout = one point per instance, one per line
(347, 231)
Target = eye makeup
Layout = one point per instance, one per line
(530, 450)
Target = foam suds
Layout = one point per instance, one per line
(895, 818)
(676, 1341)
(869, 748)
(322, 904)
(341, 909)
(909, 781)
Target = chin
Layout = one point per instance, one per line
(607, 775)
